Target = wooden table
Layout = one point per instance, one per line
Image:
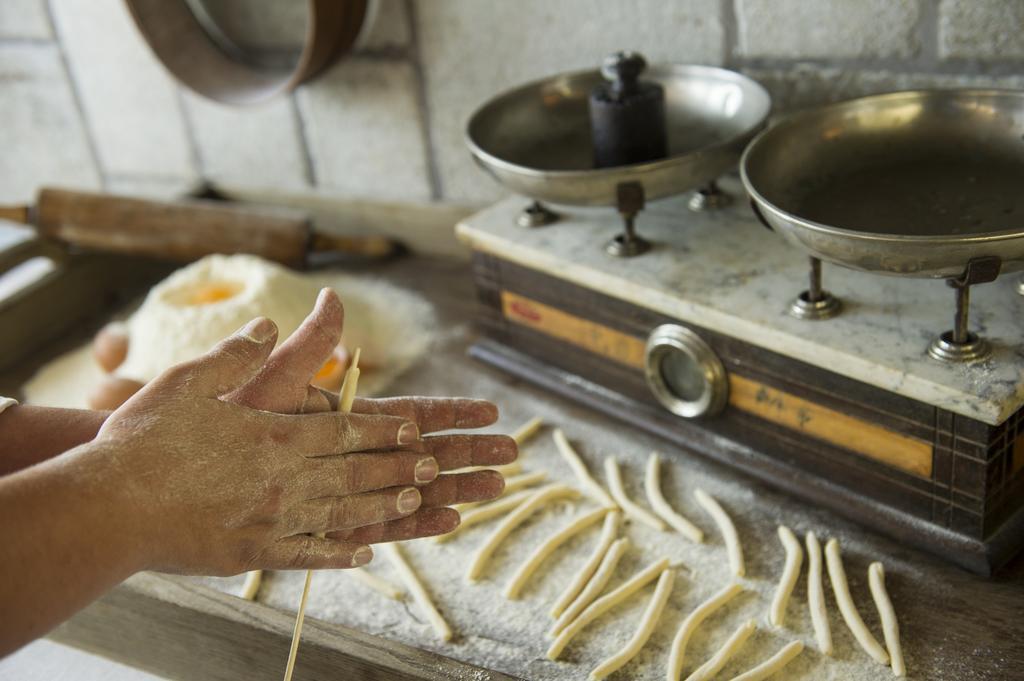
(955, 625)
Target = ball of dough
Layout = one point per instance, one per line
(112, 392)
(192, 310)
(110, 346)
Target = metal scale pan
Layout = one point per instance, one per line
(536, 141)
(913, 184)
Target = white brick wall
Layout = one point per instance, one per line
(837, 28)
(363, 133)
(131, 104)
(981, 29)
(41, 133)
(83, 101)
(24, 19)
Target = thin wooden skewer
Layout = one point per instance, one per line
(346, 397)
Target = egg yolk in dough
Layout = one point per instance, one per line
(213, 293)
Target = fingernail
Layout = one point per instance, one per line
(408, 434)
(426, 469)
(409, 500)
(258, 330)
(362, 556)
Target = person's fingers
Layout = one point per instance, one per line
(432, 413)
(303, 552)
(329, 514)
(316, 401)
(281, 385)
(300, 357)
(333, 433)
(230, 364)
(364, 472)
(462, 488)
(426, 522)
(459, 451)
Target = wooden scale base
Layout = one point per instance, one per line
(924, 473)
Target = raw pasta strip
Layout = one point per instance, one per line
(725, 526)
(382, 586)
(251, 586)
(594, 587)
(606, 603)
(690, 624)
(419, 593)
(346, 396)
(773, 664)
(582, 578)
(816, 596)
(514, 520)
(486, 512)
(890, 627)
(531, 564)
(837, 575)
(648, 621)
(513, 484)
(790, 573)
(629, 507)
(525, 432)
(590, 486)
(514, 468)
(652, 485)
(731, 646)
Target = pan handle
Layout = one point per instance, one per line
(759, 215)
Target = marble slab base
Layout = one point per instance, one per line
(723, 271)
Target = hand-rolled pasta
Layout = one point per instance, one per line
(513, 484)
(593, 588)
(816, 596)
(525, 432)
(628, 506)
(531, 564)
(837, 575)
(690, 624)
(643, 631)
(514, 468)
(773, 664)
(419, 593)
(606, 603)
(731, 646)
(486, 511)
(725, 526)
(652, 485)
(590, 486)
(251, 586)
(790, 573)
(582, 578)
(514, 520)
(890, 627)
(381, 586)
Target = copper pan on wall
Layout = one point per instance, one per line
(190, 51)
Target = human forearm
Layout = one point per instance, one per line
(64, 541)
(30, 434)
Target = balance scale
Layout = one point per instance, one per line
(696, 336)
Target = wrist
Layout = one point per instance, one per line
(97, 486)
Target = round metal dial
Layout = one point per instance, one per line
(684, 373)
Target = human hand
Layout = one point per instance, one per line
(218, 488)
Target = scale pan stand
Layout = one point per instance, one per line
(536, 141)
(920, 184)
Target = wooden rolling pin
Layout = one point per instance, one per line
(185, 230)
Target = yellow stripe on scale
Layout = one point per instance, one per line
(753, 397)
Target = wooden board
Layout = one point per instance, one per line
(182, 630)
